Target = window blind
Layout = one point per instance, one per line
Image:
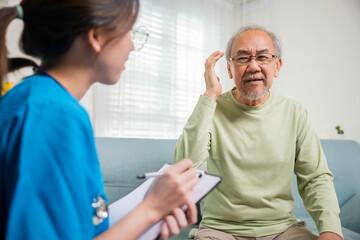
(162, 83)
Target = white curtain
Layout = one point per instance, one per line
(161, 84)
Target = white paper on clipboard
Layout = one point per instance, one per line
(123, 206)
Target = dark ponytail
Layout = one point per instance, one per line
(51, 26)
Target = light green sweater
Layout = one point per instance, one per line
(256, 151)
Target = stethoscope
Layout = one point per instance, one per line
(101, 210)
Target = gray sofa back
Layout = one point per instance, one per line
(343, 158)
(122, 159)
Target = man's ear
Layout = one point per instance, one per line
(278, 65)
(96, 39)
(229, 70)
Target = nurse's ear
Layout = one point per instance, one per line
(96, 39)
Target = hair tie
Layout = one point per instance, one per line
(20, 11)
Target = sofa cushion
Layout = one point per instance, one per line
(350, 214)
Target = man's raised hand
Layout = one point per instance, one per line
(213, 85)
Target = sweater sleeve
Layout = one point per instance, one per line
(314, 179)
(195, 140)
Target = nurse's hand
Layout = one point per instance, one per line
(172, 189)
(164, 200)
(177, 221)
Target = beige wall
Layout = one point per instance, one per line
(321, 46)
(321, 58)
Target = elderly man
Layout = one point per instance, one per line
(256, 139)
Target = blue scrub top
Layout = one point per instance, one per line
(49, 169)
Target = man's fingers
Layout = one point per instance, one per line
(217, 54)
(220, 55)
(214, 53)
(213, 58)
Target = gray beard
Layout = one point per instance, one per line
(254, 95)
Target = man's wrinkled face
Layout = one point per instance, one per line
(253, 79)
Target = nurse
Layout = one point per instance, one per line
(50, 180)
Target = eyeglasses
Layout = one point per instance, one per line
(139, 37)
(262, 58)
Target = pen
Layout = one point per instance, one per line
(156, 174)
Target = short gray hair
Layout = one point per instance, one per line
(275, 39)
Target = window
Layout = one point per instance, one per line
(162, 83)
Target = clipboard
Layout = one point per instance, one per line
(123, 206)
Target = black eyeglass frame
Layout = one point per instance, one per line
(250, 57)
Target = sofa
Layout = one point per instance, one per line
(121, 159)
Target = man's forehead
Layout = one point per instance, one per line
(248, 51)
(253, 40)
